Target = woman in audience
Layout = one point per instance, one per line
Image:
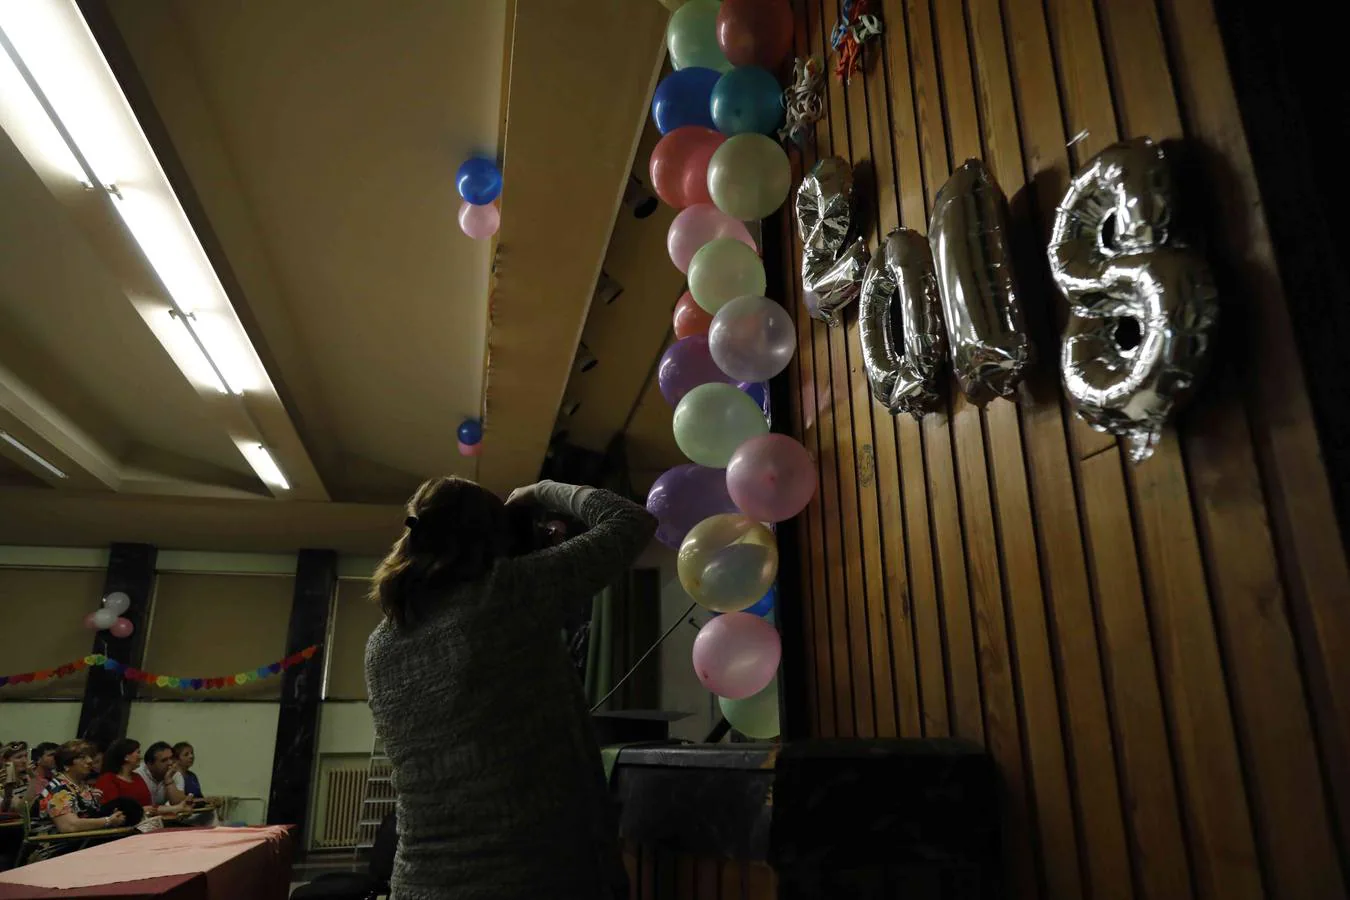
(14, 775)
(68, 804)
(501, 789)
(119, 780)
(184, 778)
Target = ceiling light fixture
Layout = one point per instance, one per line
(184, 345)
(30, 453)
(54, 54)
(263, 464)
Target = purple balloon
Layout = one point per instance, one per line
(684, 496)
(686, 364)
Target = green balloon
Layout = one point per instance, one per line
(722, 270)
(749, 176)
(691, 37)
(713, 420)
(755, 716)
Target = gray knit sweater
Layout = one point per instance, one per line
(500, 788)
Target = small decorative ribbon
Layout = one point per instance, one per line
(804, 100)
(98, 660)
(854, 28)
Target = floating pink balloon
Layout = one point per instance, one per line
(89, 621)
(690, 318)
(736, 655)
(679, 165)
(479, 222)
(470, 449)
(697, 225)
(771, 478)
(122, 628)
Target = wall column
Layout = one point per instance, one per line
(107, 695)
(293, 759)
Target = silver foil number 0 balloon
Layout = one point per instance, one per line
(900, 324)
(1141, 303)
(969, 235)
(833, 257)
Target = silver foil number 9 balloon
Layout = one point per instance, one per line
(833, 257)
(1141, 303)
(900, 324)
(985, 326)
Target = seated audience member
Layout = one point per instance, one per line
(68, 804)
(43, 768)
(14, 775)
(120, 780)
(157, 770)
(183, 777)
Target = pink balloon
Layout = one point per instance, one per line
(771, 478)
(89, 621)
(122, 628)
(470, 449)
(697, 225)
(679, 165)
(479, 222)
(736, 655)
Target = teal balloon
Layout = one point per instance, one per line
(691, 37)
(756, 716)
(712, 420)
(747, 100)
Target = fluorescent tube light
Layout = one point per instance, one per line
(30, 453)
(263, 464)
(175, 333)
(69, 79)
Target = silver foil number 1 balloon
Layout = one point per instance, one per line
(1141, 303)
(833, 257)
(900, 325)
(969, 235)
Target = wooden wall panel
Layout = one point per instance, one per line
(1154, 654)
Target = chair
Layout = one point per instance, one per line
(359, 885)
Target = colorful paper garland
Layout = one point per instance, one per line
(131, 673)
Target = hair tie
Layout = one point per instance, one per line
(411, 522)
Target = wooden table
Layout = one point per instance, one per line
(172, 864)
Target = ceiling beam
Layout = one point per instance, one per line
(44, 429)
(564, 180)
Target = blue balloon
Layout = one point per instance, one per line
(764, 606)
(747, 100)
(479, 181)
(684, 98)
(470, 431)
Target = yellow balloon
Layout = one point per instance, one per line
(728, 562)
(749, 176)
(722, 270)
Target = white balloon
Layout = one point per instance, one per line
(104, 618)
(118, 602)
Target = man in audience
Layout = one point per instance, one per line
(157, 771)
(43, 768)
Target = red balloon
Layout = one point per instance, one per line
(690, 318)
(755, 32)
(679, 165)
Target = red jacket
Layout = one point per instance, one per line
(113, 787)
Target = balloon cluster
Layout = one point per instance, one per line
(470, 436)
(109, 616)
(480, 184)
(718, 165)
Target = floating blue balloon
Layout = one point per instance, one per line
(479, 181)
(684, 98)
(747, 100)
(470, 432)
(764, 606)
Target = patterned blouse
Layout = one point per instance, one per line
(61, 796)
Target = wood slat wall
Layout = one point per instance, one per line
(654, 874)
(1156, 655)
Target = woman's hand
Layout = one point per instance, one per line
(117, 820)
(523, 495)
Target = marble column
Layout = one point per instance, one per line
(302, 690)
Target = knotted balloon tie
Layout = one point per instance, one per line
(854, 28)
(804, 100)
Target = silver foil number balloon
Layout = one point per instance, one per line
(985, 327)
(833, 257)
(900, 325)
(1141, 303)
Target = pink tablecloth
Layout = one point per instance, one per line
(253, 863)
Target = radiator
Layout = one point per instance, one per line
(345, 789)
